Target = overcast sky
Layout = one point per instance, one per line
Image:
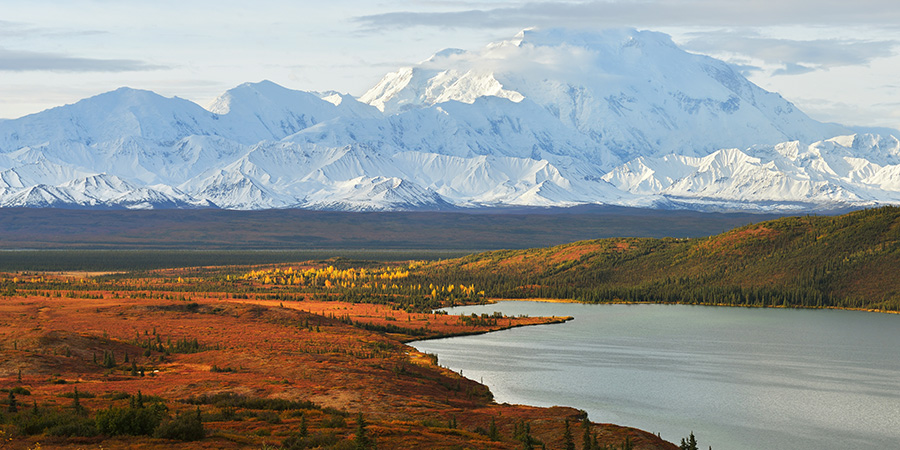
(837, 60)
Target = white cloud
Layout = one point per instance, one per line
(792, 56)
(24, 61)
(60, 53)
(649, 13)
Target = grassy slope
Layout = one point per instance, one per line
(846, 261)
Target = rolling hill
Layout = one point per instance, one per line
(847, 261)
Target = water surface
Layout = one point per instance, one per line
(739, 378)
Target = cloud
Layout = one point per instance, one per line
(24, 30)
(648, 13)
(794, 56)
(746, 69)
(793, 69)
(24, 61)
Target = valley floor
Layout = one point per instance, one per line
(258, 371)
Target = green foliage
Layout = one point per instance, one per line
(109, 359)
(53, 422)
(302, 429)
(77, 408)
(362, 440)
(847, 261)
(12, 404)
(18, 390)
(133, 421)
(689, 443)
(493, 433)
(181, 345)
(586, 434)
(231, 400)
(522, 433)
(269, 416)
(334, 421)
(568, 440)
(186, 426)
(317, 440)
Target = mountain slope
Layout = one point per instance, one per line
(633, 92)
(549, 118)
(845, 261)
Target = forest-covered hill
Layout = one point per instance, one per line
(849, 261)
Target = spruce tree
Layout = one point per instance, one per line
(362, 440)
(12, 403)
(689, 443)
(568, 440)
(493, 434)
(586, 435)
(303, 431)
(76, 404)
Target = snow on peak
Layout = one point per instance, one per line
(634, 92)
(550, 117)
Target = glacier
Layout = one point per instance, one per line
(547, 118)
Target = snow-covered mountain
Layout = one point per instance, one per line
(548, 118)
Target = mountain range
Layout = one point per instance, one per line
(547, 118)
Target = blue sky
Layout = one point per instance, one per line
(837, 60)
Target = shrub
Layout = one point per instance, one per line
(184, 427)
(269, 416)
(77, 426)
(228, 399)
(53, 422)
(297, 442)
(334, 421)
(18, 390)
(130, 421)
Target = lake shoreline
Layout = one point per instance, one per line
(728, 305)
(513, 370)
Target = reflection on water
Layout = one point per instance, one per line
(739, 378)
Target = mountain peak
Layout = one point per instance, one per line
(250, 95)
(634, 91)
(550, 117)
(591, 38)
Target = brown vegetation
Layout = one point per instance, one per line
(191, 350)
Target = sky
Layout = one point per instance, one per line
(838, 61)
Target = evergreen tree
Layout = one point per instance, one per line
(76, 404)
(523, 434)
(586, 435)
(362, 440)
(109, 360)
(689, 443)
(568, 440)
(303, 431)
(493, 433)
(12, 403)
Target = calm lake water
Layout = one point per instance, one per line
(739, 378)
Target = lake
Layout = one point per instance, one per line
(739, 378)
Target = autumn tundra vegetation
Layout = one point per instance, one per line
(312, 354)
(297, 356)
